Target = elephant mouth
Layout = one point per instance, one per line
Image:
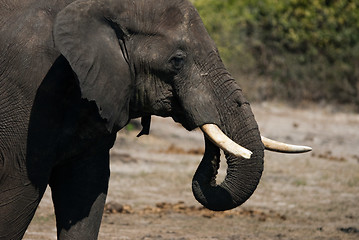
(184, 121)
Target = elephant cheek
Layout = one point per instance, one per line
(199, 108)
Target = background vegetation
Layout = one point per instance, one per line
(297, 50)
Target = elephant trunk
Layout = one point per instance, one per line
(243, 175)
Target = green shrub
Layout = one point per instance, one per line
(289, 49)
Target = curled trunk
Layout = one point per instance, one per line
(243, 175)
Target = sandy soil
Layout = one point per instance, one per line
(309, 196)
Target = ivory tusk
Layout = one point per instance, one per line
(275, 146)
(215, 134)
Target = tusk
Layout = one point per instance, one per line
(225, 143)
(283, 147)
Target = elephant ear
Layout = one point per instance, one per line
(95, 51)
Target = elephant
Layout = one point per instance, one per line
(75, 72)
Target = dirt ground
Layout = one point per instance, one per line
(308, 196)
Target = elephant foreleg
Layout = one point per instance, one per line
(79, 192)
(19, 199)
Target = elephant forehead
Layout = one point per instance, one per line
(160, 16)
(172, 18)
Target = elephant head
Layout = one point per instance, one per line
(137, 58)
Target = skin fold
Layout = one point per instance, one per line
(73, 73)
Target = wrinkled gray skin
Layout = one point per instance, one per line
(73, 74)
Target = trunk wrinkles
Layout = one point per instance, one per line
(238, 123)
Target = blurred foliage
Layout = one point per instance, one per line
(288, 49)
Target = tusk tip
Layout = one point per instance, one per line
(247, 155)
(244, 154)
(306, 149)
(239, 152)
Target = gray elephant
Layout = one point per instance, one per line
(73, 73)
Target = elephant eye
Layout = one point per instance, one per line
(178, 61)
